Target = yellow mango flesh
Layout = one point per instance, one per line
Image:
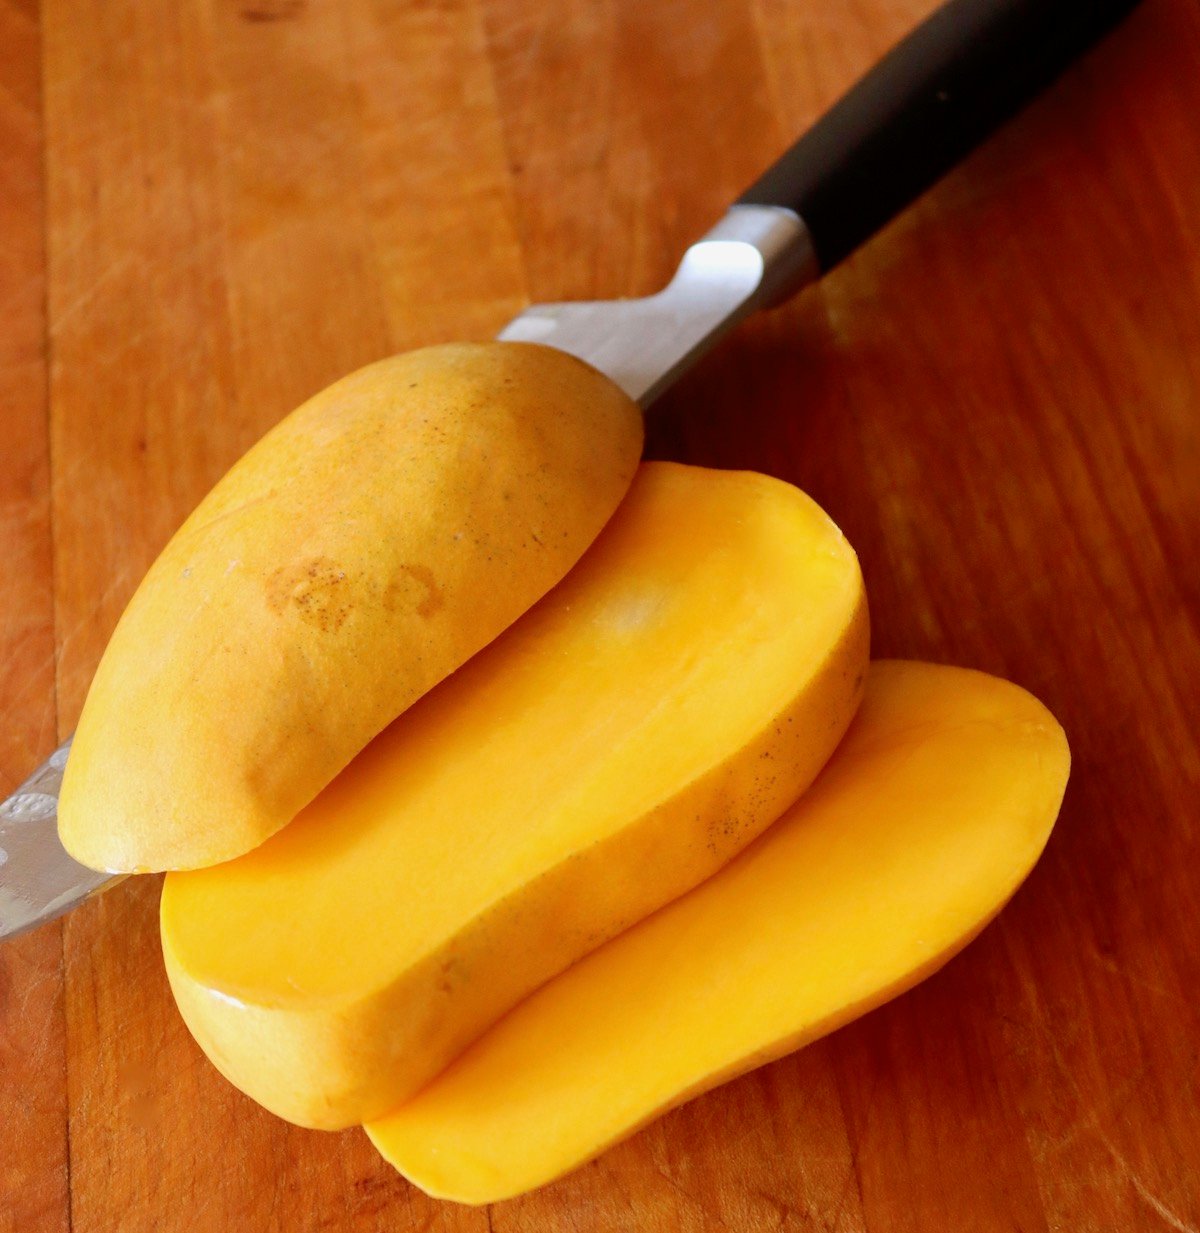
(620, 743)
(925, 821)
(364, 549)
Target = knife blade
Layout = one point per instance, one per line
(932, 99)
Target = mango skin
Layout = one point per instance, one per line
(365, 548)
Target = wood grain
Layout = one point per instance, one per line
(999, 400)
(33, 1104)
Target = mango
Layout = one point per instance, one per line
(616, 746)
(362, 551)
(927, 818)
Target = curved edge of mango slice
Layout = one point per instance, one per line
(925, 821)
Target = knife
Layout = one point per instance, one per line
(933, 98)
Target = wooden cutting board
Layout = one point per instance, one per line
(211, 208)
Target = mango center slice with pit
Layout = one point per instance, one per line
(621, 742)
(927, 818)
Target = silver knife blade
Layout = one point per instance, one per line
(754, 256)
(38, 880)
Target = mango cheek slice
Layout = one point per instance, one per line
(927, 818)
(618, 745)
(362, 551)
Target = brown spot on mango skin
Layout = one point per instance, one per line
(315, 589)
(416, 588)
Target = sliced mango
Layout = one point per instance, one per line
(616, 746)
(364, 549)
(925, 821)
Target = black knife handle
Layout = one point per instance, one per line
(931, 100)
